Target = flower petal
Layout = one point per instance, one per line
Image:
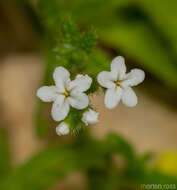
(129, 97)
(61, 76)
(78, 101)
(60, 108)
(118, 68)
(112, 97)
(105, 79)
(81, 83)
(47, 93)
(133, 78)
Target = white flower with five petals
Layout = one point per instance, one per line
(65, 93)
(119, 84)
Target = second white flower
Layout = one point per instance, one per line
(119, 84)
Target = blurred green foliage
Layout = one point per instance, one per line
(87, 155)
(142, 30)
(90, 156)
(5, 162)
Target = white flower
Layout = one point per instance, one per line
(90, 117)
(65, 93)
(119, 84)
(62, 129)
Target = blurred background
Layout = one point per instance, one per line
(144, 32)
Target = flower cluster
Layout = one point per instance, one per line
(72, 93)
(67, 93)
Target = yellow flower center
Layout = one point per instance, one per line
(117, 83)
(66, 93)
